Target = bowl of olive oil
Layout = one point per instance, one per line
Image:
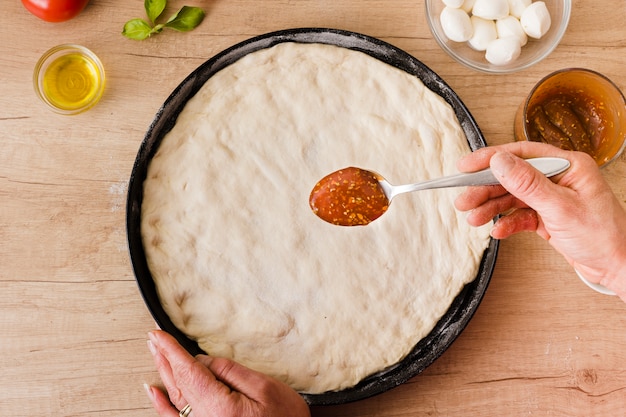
(69, 79)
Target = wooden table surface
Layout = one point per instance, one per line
(73, 325)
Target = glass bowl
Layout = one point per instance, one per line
(533, 52)
(69, 79)
(594, 100)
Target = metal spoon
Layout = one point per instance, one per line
(547, 166)
(353, 196)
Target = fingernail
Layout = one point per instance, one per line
(502, 163)
(204, 359)
(151, 346)
(148, 389)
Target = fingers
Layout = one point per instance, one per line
(202, 379)
(484, 213)
(236, 376)
(476, 196)
(527, 187)
(160, 402)
(165, 369)
(521, 187)
(204, 360)
(480, 158)
(485, 203)
(522, 220)
(186, 380)
(273, 396)
(216, 386)
(522, 180)
(476, 160)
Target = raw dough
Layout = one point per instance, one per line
(242, 264)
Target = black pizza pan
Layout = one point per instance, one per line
(464, 305)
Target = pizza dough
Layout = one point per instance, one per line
(241, 263)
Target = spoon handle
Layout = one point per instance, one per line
(547, 166)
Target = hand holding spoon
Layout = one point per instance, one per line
(356, 197)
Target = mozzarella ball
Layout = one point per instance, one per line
(503, 51)
(517, 7)
(491, 9)
(484, 33)
(456, 24)
(453, 3)
(468, 5)
(536, 20)
(511, 27)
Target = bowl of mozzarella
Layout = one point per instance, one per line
(498, 36)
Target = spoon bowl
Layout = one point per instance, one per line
(356, 197)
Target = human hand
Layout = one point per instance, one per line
(216, 387)
(576, 212)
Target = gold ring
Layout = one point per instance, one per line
(186, 410)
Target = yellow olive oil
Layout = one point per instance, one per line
(72, 82)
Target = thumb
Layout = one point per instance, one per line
(234, 375)
(522, 180)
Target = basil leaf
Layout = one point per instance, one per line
(137, 29)
(154, 8)
(187, 18)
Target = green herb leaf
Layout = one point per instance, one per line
(137, 29)
(187, 18)
(154, 8)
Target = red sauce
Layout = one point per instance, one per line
(569, 120)
(576, 109)
(349, 197)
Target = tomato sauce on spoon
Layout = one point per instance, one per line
(349, 197)
(356, 197)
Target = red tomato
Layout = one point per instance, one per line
(55, 10)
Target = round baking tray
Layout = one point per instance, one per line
(464, 305)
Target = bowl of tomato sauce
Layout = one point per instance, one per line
(575, 109)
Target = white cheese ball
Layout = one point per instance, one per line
(517, 7)
(494, 26)
(468, 5)
(484, 32)
(456, 24)
(503, 51)
(536, 20)
(491, 9)
(453, 3)
(511, 27)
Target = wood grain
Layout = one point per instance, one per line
(72, 321)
